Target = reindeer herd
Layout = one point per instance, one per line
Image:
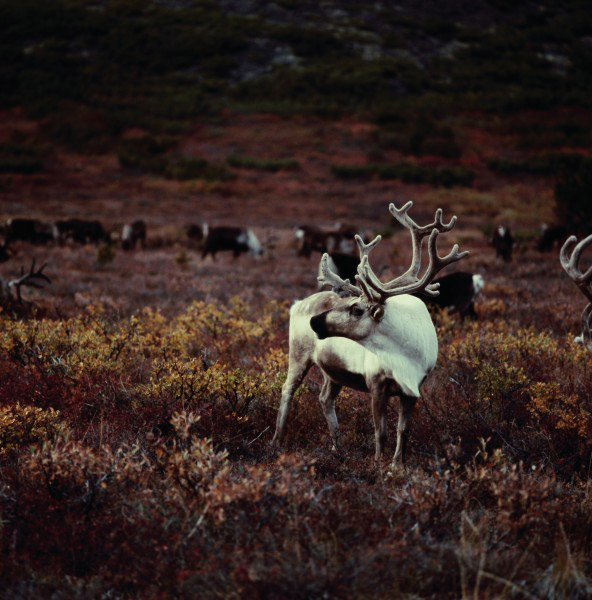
(362, 333)
(378, 337)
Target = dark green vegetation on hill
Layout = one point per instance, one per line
(92, 69)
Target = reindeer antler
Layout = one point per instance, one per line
(410, 282)
(417, 235)
(368, 283)
(570, 263)
(331, 278)
(31, 278)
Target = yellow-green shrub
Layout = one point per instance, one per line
(24, 425)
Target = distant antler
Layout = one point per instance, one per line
(31, 278)
(570, 263)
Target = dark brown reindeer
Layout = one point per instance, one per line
(132, 233)
(570, 259)
(237, 240)
(503, 242)
(27, 230)
(458, 292)
(551, 236)
(80, 231)
(336, 239)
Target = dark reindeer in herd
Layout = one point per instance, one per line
(80, 231)
(237, 240)
(503, 242)
(338, 239)
(33, 231)
(458, 292)
(132, 233)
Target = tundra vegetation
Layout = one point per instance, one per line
(135, 421)
(135, 460)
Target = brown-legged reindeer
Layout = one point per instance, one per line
(570, 259)
(13, 303)
(372, 336)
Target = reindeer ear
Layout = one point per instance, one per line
(377, 312)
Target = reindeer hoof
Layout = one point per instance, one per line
(396, 470)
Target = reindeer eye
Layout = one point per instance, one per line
(356, 311)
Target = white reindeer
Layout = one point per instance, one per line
(377, 339)
(570, 263)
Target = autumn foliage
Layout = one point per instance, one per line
(135, 463)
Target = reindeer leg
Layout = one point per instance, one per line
(327, 397)
(407, 403)
(296, 373)
(379, 404)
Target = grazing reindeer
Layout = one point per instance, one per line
(550, 235)
(238, 240)
(379, 339)
(31, 278)
(503, 243)
(80, 231)
(132, 233)
(458, 292)
(339, 238)
(570, 263)
(197, 233)
(27, 230)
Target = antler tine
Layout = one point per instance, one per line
(436, 264)
(570, 260)
(365, 279)
(364, 248)
(328, 276)
(417, 234)
(28, 279)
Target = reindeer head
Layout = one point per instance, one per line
(364, 304)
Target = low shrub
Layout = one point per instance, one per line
(152, 154)
(135, 462)
(145, 153)
(20, 158)
(419, 137)
(407, 172)
(81, 128)
(524, 391)
(195, 168)
(262, 164)
(551, 164)
(21, 426)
